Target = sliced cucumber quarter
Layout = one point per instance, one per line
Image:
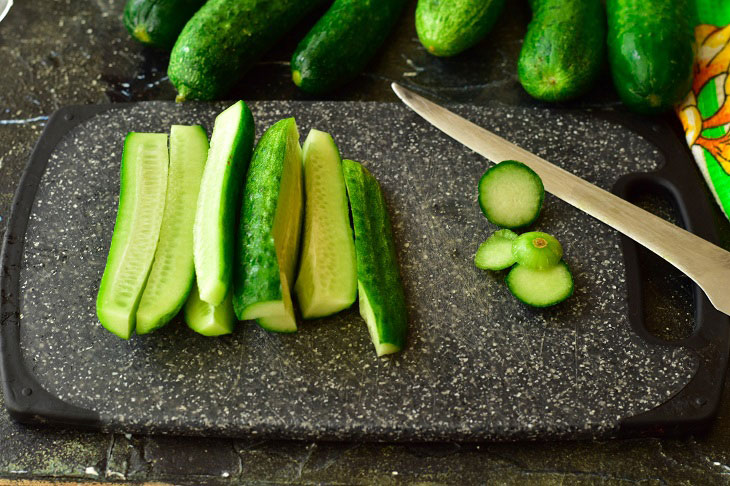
(537, 250)
(218, 201)
(172, 274)
(496, 252)
(207, 319)
(268, 237)
(541, 288)
(511, 194)
(327, 280)
(380, 289)
(136, 231)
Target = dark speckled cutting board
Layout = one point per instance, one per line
(478, 365)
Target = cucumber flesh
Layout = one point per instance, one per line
(327, 280)
(541, 288)
(380, 289)
(209, 320)
(136, 231)
(537, 250)
(511, 194)
(220, 189)
(269, 230)
(172, 273)
(496, 252)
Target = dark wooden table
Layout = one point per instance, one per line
(61, 52)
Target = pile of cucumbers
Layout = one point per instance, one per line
(215, 229)
(511, 196)
(650, 43)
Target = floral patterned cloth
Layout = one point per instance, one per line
(705, 112)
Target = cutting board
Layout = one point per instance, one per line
(478, 364)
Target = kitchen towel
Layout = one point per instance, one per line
(705, 112)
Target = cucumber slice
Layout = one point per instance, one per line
(541, 288)
(209, 320)
(380, 290)
(537, 250)
(136, 231)
(496, 252)
(172, 273)
(268, 243)
(327, 281)
(511, 194)
(220, 190)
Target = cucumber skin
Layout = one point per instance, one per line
(448, 28)
(157, 23)
(224, 38)
(342, 42)
(256, 275)
(377, 260)
(564, 48)
(651, 48)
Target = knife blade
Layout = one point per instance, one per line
(706, 264)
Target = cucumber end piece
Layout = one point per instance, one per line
(118, 323)
(140, 33)
(537, 250)
(366, 312)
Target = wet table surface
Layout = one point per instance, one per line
(74, 52)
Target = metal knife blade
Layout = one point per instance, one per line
(706, 264)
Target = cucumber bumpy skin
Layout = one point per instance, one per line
(537, 250)
(564, 48)
(446, 28)
(651, 49)
(268, 236)
(224, 39)
(214, 229)
(342, 42)
(157, 23)
(136, 231)
(380, 289)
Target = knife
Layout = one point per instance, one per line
(706, 264)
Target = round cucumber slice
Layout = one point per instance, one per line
(537, 250)
(511, 194)
(540, 288)
(496, 252)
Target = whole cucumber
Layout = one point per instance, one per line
(564, 48)
(446, 28)
(342, 42)
(157, 23)
(224, 38)
(651, 52)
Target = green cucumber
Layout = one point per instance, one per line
(172, 273)
(379, 285)
(223, 40)
(446, 28)
(564, 48)
(209, 320)
(327, 280)
(541, 288)
(268, 237)
(511, 194)
(136, 231)
(496, 252)
(537, 250)
(342, 42)
(157, 23)
(220, 190)
(651, 51)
